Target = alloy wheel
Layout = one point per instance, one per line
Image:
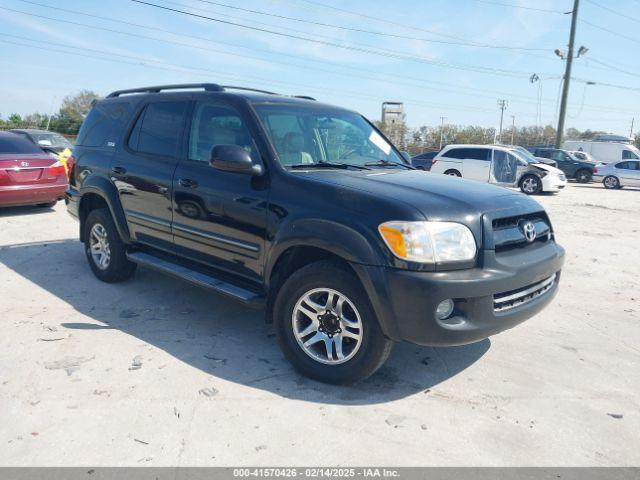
(99, 246)
(327, 326)
(530, 185)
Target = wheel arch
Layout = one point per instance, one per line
(98, 192)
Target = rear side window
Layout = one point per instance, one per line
(11, 143)
(158, 130)
(624, 165)
(628, 155)
(103, 124)
(472, 153)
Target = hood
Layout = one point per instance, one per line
(437, 197)
(548, 168)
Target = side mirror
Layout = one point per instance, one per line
(233, 158)
(406, 156)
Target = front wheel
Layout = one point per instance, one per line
(105, 250)
(531, 185)
(326, 327)
(611, 182)
(583, 176)
(453, 173)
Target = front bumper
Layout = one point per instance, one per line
(405, 301)
(553, 183)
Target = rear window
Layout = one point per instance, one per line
(103, 124)
(10, 143)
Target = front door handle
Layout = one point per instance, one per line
(187, 183)
(118, 170)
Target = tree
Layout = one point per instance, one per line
(72, 112)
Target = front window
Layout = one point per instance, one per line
(312, 136)
(629, 155)
(526, 155)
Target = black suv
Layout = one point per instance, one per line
(573, 167)
(308, 211)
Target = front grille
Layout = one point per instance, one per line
(508, 235)
(516, 298)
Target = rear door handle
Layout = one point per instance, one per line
(187, 183)
(118, 170)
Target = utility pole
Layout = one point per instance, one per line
(631, 132)
(513, 127)
(502, 105)
(567, 75)
(442, 119)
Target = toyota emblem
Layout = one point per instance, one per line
(529, 231)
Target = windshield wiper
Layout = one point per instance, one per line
(388, 163)
(302, 166)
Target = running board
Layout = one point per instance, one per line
(252, 299)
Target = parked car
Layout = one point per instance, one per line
(620, 174)
(28, 176)
(584, 156)
(499, 164)
(48, 141)
(604, 151)
(307, 211)
(424, 160)
(580, 170)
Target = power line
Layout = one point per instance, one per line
(371, 32)
(384, 53)
(397, 81)
(613, 67)
(524, 7)
(615, 12)
(613, 32)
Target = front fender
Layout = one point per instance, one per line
(107, 191)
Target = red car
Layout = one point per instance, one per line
(29, 176)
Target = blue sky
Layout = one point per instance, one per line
(43, 60)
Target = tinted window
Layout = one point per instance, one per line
(217, 125)
(628, 154)
(102, 125)
(10, 143)
(472, 153)
(624, 165)
(159, 129)
(543, 153)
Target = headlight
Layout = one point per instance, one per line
(429, 242)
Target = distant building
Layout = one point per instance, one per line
(393, 122)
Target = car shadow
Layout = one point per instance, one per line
(24, 210)
(216, 335)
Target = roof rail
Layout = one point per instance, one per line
(231, 87)
(304, 97)
(209, 87)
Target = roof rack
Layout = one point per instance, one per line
(231, 87)
(304, 97)
(209, 87)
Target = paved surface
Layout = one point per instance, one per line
(157, 372)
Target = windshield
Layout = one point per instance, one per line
(526, 155)
(51, 140)
(310, 136)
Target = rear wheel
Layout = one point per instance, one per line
(326, 327)
(105, 250)
(611, 182)
(583, 176)
(453, 173)
(531, 185)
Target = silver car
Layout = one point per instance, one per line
(619, 174)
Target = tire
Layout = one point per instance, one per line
(47, 205)
(531, 185)
(583, 176)
(363, 351)
(453, 173)
(611, 182)
(108, 260)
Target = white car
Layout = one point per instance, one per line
(619, 174)
(503, 165)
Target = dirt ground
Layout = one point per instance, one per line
(157, 372)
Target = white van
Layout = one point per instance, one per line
(503, 165)
(604, 152)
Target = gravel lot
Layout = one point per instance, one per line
(157, 372)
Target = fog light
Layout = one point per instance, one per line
(444, 309)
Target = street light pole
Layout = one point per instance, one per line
(513, 127)
(502, 104)
(442, 119)
(567, 75)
